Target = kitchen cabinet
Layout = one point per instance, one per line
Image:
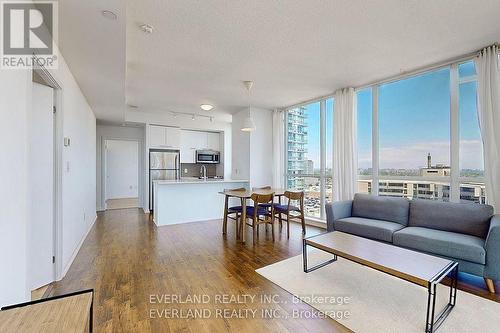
(191, 141)
(213, 141)
(188, 146)
(164, 137)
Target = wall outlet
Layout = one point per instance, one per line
(185, 170)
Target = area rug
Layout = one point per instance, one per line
(365, 300)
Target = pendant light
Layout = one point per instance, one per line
(248, 124)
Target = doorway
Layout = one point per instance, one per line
(41, 162)
(121, 174)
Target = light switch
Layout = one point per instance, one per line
(67, 142)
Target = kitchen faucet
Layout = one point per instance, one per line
(203, 171)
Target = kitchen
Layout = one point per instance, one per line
(186, 173)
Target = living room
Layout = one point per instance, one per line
(145, 142)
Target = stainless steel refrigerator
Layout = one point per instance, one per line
(163, 165)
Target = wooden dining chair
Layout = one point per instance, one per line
(264, 188)
(258, 211)
(228, 211)
(287, 212)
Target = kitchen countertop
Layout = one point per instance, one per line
(193, 180)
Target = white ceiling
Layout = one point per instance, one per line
(294, 50)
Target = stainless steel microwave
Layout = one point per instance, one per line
(207, 157)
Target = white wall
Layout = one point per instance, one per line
(14, 105)
(261, 148)
(78, 176)
(78, 183)
(120, 133)
(241, 148)
(253, 151)
(122, 169)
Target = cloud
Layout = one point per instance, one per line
(414, 156)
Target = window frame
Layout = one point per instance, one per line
(454, 179)
(322, 149)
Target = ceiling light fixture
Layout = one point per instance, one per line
(147, 28)
(206, 107)
(109, 15)
(248, 124)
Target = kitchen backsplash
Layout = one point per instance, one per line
(193, 170)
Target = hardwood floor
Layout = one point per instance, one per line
(122, 203)
(130, 263)
(126, 259)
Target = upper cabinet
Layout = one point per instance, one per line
(164, 137)
(213, 141)
(191, 141)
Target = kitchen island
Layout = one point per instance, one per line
(190, 199)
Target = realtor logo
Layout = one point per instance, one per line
(29, 33)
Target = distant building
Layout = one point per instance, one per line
(310, 167)
(438, 170)
(297, 147)
(427, 189)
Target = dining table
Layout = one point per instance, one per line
(247, 194)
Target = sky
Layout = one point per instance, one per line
(414, 119)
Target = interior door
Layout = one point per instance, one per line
(41, 186)
(122, 169)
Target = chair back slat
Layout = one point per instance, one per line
(262, 198)
(291, 195)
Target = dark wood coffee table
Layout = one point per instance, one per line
(419, 268)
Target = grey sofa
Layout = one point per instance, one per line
(466, 233)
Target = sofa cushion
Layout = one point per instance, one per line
(443, 243)
(381, 208)
(369, 228)
(470, 219)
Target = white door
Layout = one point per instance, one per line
(122, 169)
(41, 187)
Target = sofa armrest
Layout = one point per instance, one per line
(337, 210)
(492, 245)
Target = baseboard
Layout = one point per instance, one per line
(314, 223)
(75, 253)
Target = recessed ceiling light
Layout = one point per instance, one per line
(109, 15)
(147, 28)
(206, 107)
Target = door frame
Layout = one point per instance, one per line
(41, 75)
(140, 163)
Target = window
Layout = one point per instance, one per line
(471, 145)
(329, 150)
(309, 154)
(422, 151)
(365, 170)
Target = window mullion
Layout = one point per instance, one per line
(375, 143)
(455, 135)
(322, 181)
